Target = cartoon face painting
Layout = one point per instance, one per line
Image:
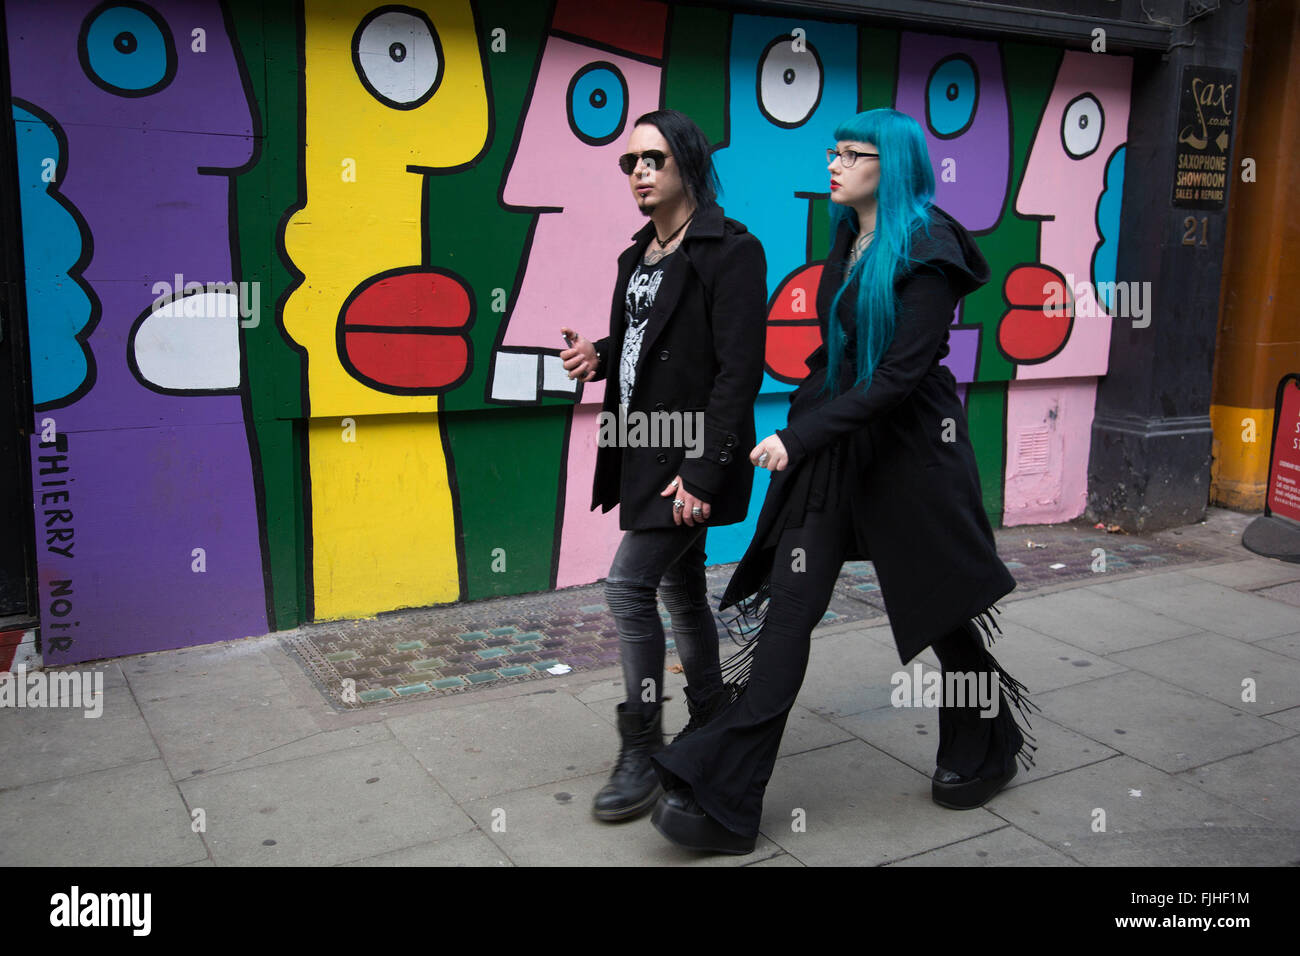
(565, 166)
(790, 83)
(135, 319)
(1072, 183)
(599, 71)
(392, 94)
(953, 87)
(1054, 326)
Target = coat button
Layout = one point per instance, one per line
(661, 458)
(659, 406)
(723, 457)
(663, 356)
(730, 441)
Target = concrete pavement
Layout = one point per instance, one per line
(233, 754)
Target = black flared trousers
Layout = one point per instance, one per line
(729, 761)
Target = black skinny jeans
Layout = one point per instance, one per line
(670, 560)
(729, 761)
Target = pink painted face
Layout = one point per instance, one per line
(565, 166)
(1084, 123)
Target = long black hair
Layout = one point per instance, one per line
(692, 150)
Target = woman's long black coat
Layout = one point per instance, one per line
(917, 508)
(702, 352)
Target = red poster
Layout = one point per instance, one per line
(1284, 476)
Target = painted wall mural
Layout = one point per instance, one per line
(295, 275)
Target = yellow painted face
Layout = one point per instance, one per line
(390, 95)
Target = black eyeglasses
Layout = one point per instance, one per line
(848, 157)
(653, 159)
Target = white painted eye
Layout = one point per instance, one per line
(1082, 125)
(398, 57)
(789, 81)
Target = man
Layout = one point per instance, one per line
(687, 329)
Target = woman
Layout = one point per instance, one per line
(875, 463)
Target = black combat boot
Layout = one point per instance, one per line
(633, 787)
(703, 708)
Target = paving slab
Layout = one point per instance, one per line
(675, 711)
(1044, 663)
(474, 848)
(324, 809)
(1286, 593)
(1250, 573)
(1287, 718)
(859, 807)
(552, 825)
(207, 728)
(1216, 667)
(1150, 818)
(1265, 782)
(1288, 644)
(1088, 619)
(230, 665)
(320, 742)
(49, 743)
(123, 816)
(608, 689)
(1212, 607)
(1157, 722)
(1005, 847)
(849, 673)
(509, 744)
(912, 736)
(781, 859)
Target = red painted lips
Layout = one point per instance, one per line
(1037, 324)
(792, 329)
(405, 331)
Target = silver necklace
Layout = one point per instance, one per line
(859, 245)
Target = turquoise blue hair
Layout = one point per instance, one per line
(903, 199)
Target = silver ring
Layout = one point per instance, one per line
(678, 504)
(762, 459)
(697, 511)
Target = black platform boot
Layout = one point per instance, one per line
(703, 709)
(633, 787)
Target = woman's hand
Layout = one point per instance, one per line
(580, 358)
(686, 514)
(770, 453)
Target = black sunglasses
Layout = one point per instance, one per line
(653, 159)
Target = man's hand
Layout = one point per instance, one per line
(777, 456)
(580, 359)
(686, 515)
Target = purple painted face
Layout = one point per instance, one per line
(155, 113)
(157, 543)
(954, 89)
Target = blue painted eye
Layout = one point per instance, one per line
(597, 103)
(127, 49)
(951, 96)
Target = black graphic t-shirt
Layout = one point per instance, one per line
(642, 287)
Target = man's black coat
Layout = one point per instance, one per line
(918, 514)
(702, 352)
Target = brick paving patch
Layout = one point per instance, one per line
(453, 649)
